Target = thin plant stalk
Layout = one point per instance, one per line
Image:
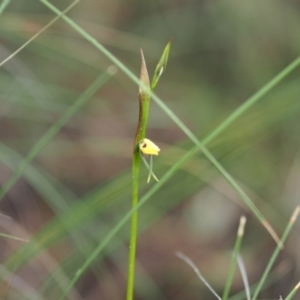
(244, 277)
(53, 130)
(243, 294)
(233, 263)
(144, 102)
(13, 237)
(272, 278)
(197, 271)
(293, 292)
(3, 5)
(38, 33)
(276, 252)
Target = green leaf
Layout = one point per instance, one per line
(161, 66)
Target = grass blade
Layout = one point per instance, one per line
(52, 131)
(3, 5)
(9, 236)
(244, 277)
(234, 258)
(293, 292)
(196, 270)
(161, 66)
(276, 252)
(38, 33)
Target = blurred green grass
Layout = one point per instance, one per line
(80, 184)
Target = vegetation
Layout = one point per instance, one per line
(224, 116)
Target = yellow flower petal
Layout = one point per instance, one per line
(148, 147)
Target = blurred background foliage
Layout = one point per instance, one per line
(79, 186)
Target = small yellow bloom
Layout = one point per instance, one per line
(148, 147)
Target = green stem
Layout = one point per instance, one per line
(144, 101)
(3, 5)
(293, 292)
(233, 262)
(134, 225)
(276, 252)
